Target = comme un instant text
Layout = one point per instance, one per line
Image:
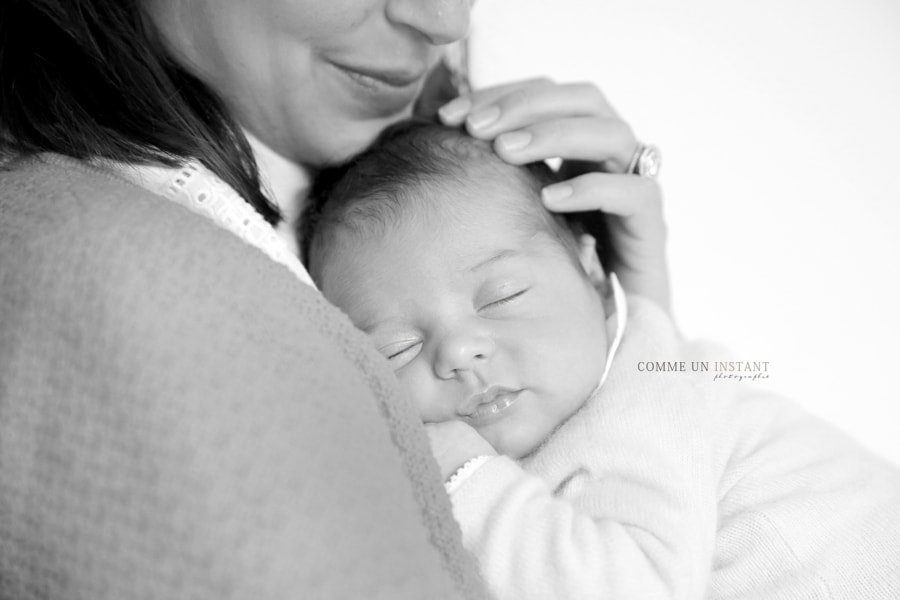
(731, 366)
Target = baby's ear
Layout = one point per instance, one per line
(590, 262)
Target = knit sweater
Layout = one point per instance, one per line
(180, 417)
(673, 485)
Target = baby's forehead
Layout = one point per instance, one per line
(427, 180)
(441, 209)
(455, 226)
(464, 224)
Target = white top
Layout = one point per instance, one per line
(672, 485)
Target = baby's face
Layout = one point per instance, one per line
(482, 323)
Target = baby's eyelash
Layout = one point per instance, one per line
(398, 352)
(404, 355)
(506, 300)
(401, 348)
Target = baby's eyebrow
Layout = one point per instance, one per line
(366, 320)
(372, 323)
(501, 255)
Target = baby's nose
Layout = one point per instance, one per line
(461, 353)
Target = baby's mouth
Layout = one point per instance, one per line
(492, 402)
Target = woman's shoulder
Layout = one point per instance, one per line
(48, 195)
(59, 215)
(163, 357)
(79, 243)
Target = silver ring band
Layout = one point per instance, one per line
(645, 162)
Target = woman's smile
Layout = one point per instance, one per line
(313, 81)
(382, 91)
(397, 77)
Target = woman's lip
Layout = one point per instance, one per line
(372, 76)
(379, 93)
(491, 403)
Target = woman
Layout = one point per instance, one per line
(182, 416)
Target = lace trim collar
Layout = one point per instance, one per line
(198, 189)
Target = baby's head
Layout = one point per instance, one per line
(483, 302)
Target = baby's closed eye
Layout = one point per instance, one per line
(401, 352)
(504, 299)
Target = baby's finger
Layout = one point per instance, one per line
(525, 106)
(594, 139)
(454, 113)
(623, 195)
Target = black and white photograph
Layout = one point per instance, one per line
(449, 299)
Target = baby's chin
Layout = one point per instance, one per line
(519, 440)
(521, 451)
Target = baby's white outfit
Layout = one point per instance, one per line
(672, 485)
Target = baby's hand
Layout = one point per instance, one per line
(454, 443)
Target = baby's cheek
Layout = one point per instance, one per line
(421, 389)
(591, 351)
(579, 362)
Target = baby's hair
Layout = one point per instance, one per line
(379, 187)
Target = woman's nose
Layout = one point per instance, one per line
(440, 21)
(459, 354)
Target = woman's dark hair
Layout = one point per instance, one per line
(92, 79)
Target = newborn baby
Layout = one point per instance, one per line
(499, 320)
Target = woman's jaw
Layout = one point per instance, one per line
(315, 80)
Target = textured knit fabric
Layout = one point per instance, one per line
(672, 485)
(198, 189)
(180, 417)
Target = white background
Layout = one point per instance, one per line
(779, 122)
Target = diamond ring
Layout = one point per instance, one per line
(645, 162)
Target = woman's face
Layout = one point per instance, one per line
(316, 80)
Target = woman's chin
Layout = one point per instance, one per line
(332, 149)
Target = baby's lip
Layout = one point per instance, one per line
(491, 402)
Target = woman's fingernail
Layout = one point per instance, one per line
(514, 140)
(455, 111)
(484, 117)
(555, 194)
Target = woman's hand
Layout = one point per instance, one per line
(454, 443)
(537, 119)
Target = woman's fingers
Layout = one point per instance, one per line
(457, 110)
(493, 110)
(536, 120)
(634, 226)
(539, 119)
(523, 106)
(594, 139)
(622, 195)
